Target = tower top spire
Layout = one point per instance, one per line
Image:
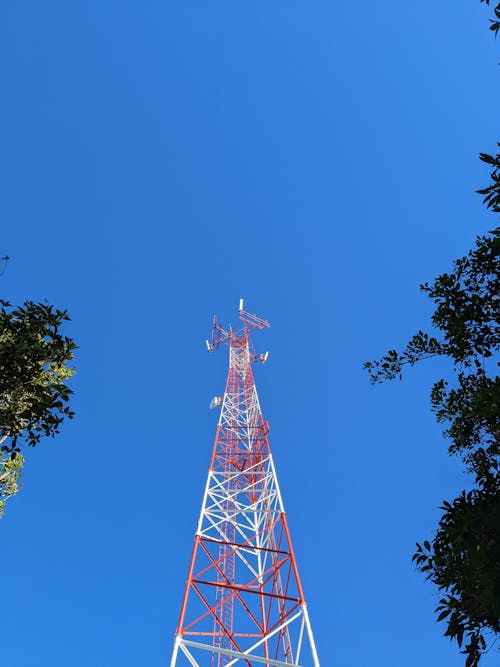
(250, 321)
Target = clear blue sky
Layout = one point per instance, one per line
(161, 159)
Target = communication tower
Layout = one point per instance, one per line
(243, 603)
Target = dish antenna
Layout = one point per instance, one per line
(215, 402)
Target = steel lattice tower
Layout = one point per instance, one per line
(243, 602)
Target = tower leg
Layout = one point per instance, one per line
(311, 637)
(174, 652)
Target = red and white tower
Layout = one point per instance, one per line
(243, 602)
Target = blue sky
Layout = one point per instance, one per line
(159, 161)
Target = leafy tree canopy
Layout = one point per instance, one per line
(34, 395)
(463, 558)
(467, 314)
(463, 561)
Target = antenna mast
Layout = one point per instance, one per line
(243, 602)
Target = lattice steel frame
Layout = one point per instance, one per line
(243, 602)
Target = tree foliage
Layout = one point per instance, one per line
(34, 395)
(494, 23)
(492, 192)
(463, 559)
(34, 355)
(10, 471)
(467, 315)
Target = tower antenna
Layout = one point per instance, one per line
(243, 602)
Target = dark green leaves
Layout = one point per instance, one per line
(34, 396)
(463, 561)
(421, 346)
(467, 317)
(494, 24)
(492, 192)
(34, 357)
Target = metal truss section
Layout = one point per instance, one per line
(243, 602)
